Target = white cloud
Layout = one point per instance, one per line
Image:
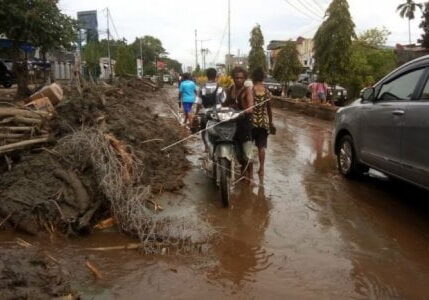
(174, 22)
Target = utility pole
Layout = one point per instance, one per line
(229, 35)
(196, 50)
(108, 46)
(202, 52)
(141, 56)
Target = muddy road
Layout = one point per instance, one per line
(304, 233)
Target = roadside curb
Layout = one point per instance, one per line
(314, 110)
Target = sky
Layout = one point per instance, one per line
(174, 22)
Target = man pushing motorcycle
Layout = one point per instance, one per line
(241, 97)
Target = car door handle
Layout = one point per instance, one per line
(398, 112)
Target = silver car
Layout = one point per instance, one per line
(388, 127)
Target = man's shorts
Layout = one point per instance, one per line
(260, 136)
(187, 107)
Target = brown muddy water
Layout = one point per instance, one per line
(307, 233)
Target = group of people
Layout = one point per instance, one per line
(256, 122)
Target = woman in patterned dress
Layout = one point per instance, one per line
(262, 117)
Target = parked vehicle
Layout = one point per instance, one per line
(387, 128)
(220, 163)
(273, 86)
(7, 78)
(167, 78)
(340, 97)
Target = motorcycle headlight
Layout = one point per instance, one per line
(224, 116)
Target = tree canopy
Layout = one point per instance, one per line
(257, 57)
(408, 9)
(39, 22)
(425, 26)
(375, 37)
(288, 66)
(333, 43)
(369, 60)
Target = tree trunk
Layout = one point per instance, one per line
(21, 72)
(409, 31)
(45, 78)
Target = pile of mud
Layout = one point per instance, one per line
(29, 274)
(59, 187)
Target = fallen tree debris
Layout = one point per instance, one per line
(132, 246)
(94, 153)
(93, 269)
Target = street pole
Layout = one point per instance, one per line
(196, 50)
(141, 57)
(108, 46)
(229, 35)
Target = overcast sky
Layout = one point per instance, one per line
(174, 21)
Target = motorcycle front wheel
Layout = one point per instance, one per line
(225, 181)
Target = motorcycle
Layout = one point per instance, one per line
(220, 128)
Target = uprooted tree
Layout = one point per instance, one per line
(38, 22)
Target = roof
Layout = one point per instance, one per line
(274, 45)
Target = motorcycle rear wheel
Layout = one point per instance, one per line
(225, 181)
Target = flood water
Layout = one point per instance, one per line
(305, 233)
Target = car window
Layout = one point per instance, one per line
(425, 93)
(401, 88)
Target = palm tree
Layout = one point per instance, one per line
(407, 10)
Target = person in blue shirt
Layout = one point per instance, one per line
(187, 95)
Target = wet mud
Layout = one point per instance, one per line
(305, 232)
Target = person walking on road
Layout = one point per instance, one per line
(319, 91)
(241, 97)
(262, 117)
(209, 96)
(187, 96)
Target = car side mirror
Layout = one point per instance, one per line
(367, 94)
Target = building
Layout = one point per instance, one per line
(305, 49)
(236, 61)
(89, 24)
(406, 53)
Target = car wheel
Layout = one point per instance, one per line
(346, 159)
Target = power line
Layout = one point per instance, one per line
(220, 45)
(113, 24)
(300, 11)
(319, 5)
(309, 8)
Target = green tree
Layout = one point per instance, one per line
(407, 10)
(152, 49)
(125, 62)
(333, 43)
(425, 26)
(369, 61)
(91, 54)
(39, 22)
(375, 37)
(257, 57)
(288, 66)
(173, 64)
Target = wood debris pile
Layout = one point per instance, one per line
(69, 161)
